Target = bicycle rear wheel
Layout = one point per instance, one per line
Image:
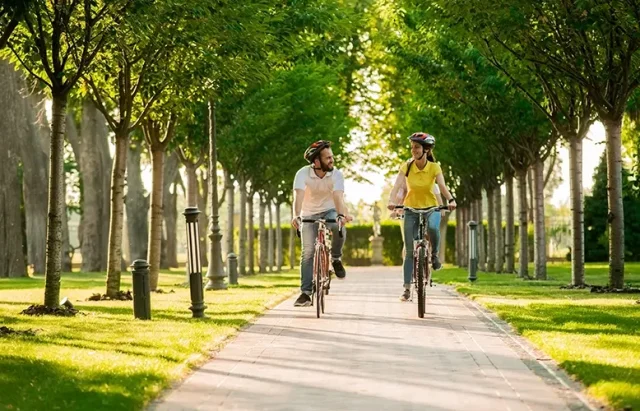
(318, 277)
(420, 282)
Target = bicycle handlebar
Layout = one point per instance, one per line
(423, 210)
(325, 220)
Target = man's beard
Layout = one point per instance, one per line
(325, 167)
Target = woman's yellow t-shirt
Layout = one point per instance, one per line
(420, 185)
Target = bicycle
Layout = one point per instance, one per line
(321, 261)
(421, 276)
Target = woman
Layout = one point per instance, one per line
(418, 177)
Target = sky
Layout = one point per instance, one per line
(593, 148)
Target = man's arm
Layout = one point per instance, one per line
(298, 196)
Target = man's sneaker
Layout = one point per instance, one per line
(303, 301)
(339, 269)
(436, 263)
(406, 295)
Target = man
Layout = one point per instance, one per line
(318, 191)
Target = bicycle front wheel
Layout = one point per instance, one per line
(420, 282)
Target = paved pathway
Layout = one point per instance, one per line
(371, 352)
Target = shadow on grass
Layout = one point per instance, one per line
(620, 397)
(67, 388)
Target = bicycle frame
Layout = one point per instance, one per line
(421, 275)
(321, 266)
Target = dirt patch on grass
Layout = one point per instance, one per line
(61, 311)
(121, 296)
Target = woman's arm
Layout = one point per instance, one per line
(397, 186)
(445, 192)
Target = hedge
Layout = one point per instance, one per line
(357, 248)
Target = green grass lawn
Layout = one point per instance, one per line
(107, 360)
(594, 337)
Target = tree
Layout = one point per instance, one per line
(56, 44)
(591, 44)
(595, 216)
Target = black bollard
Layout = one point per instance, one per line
(232, 268)
(141, 290)
(195, 263)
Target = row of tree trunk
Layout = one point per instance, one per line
(499, 238)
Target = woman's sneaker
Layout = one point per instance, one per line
(436, 263)
(303, 301)
(406, 295)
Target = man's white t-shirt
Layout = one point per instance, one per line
(318, 192)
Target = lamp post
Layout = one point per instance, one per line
(194, 262)
(215, 272)
(473, 250)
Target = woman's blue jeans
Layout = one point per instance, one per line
(411, 222)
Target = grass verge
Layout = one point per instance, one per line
(107, 360)
(594, 337)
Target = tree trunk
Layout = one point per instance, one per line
(577, 211)
(491, 214)
(56, 202)
(510, 229)
(271, 239)
(169, 243)
(292, 243)
(499, 231)
(530, 195)
(279, 251)
(12, 263)
(540, 243)
(137, 204)
(34, 148)
(444, 223)
(616, 208)
(251, 254)
(67, 250)
(465, 235)
(169, 256)
(203, 196)
(230, 188)
(523, 259)
(262, 267)
(192, 185)
(94, 162)
(114, 264)
(482, 253)
(242, 230)
(458, 256)
(155, 220)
